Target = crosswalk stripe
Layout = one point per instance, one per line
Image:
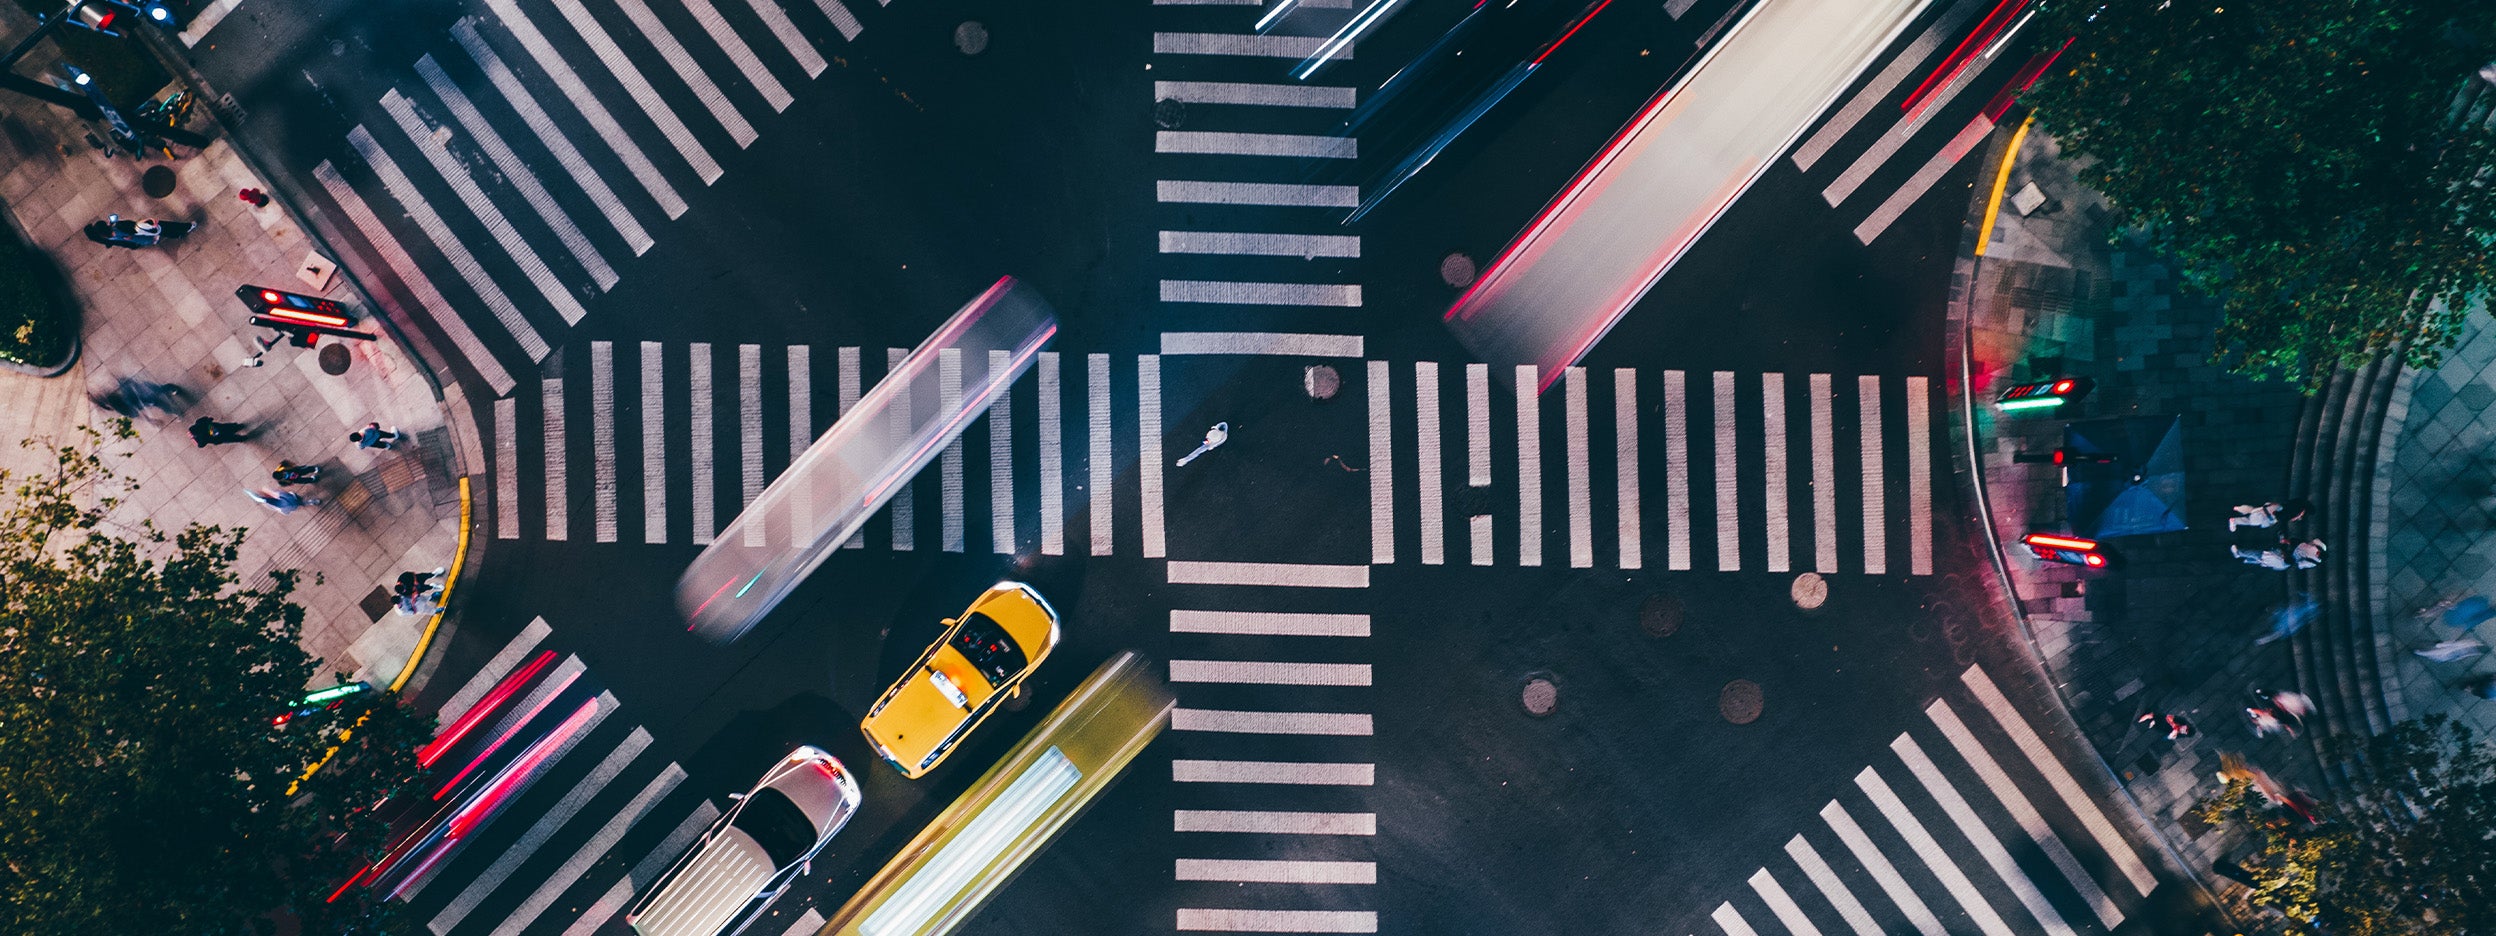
(1728, 506)
(1263, 871)
(1839, 896)
(1268, 623)
(1883, 873)
(750, 436)
(1875, 485)
(575, 167)
(1255, 144)
(653, 444)
(2065, 786)
(1381, 464)
(1478, 425)
(1919, 477)
(1773, 505)
(1478, 536)
(496, 667)
(1283, 574)
(1274, 823)
(1285, 773)
(506, 468)
(516, 172)
(1304, 246)
(1936, 859)
(1529, 467)
(846, 363)
(1908, 193)
(903, 508)
(1909, 60)
(674, 54)
(420, 135)
(2017, 804)
(1245, 44)
(1272, 723)
(841, 18)
(1676, 471)
(1964, 816)
(207, 18)
(1269, 674)
(1625, 442)
(1234, 293)
(1098, 462)
(729, 42)
(574, 90)
(1193, 919)
(806, 922)
(636, 85)
(703, 441)
(777, 20)
(595, 916)
(801, 435)
(555, 818)
(1286, 344)
(681, 837)
(1148, 452)
(1823, 457)
(1052, 459)
(1428, 464)
(428, 299)
(1268, 95)
(602, 439)
(1269, 194)
(1730, 920)
(599, 842)
(1580, 474)
(1781, 904)
(1001, 460)
(558, 464)
(949, 464)
(449, 244)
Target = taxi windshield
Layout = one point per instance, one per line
(983, 642)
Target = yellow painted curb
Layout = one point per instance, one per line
(2001, 180)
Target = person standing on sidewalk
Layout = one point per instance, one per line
(2266, 558)
(284, 502)
(288, 473)
(372, 436)
(2307, 554)
(2267, 515)
(206, 432)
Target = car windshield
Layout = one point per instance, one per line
(985, 643)
(776, 824)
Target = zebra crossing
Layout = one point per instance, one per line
(2001, 840)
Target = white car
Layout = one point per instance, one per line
(752, 853)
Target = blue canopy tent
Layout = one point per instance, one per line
(2124, 476)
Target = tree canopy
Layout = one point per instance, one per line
(2321, 165)
(143, 787)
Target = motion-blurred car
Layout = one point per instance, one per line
(977, 665)
(752, 853)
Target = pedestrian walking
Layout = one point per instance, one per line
(2461, 613)
(2453, 651)
(2266, 515)
(1214, 437)
(2177, 725)
(2288, 620)
(253, 197)
(290, 473)
(2484, 687)
(2307, 554)
(2292, 707)
(2266, 558)
(2267, 722)
(206, 432)
(372, 436)
(284, 502)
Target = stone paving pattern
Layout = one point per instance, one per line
(2441, 488)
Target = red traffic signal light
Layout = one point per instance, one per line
(294, 308)
(2043, 394)
(2069, 550)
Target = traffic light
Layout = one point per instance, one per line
(2070, 550)
(329, 698)
(298, 314)
(2043, 394)
(101, 15)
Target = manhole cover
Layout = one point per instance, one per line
(334, 359)
(1741, 702)
(157, 181)
(1541, 696)
(1810, 591)
(1321, 381)
(971, 38)
(1457, 270)
(1169, 113)
(1660, 616)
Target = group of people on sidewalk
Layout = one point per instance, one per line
(2284, 553)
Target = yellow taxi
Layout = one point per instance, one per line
(977, 665)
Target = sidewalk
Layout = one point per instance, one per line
(166, 314)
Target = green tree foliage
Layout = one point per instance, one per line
(2410, 849)
(142, 786)
(2322, 165)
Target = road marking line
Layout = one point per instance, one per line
(1381, 464)
(1248, 44)
(841, 18)
(1823, 476)
(846, 365)
(1269, 674)
(1886, 146)
(1272, 194)
(777, 20)
(1304, 246)
(1831, 887)
(681, 62)
(1268, 95)
(728, 41)
(705, 440)
(1875, 486)
(595, 917)
(1287, 344)
(523, 916)
(678, 840)
(1952, 879)
(1529, 467)
(1782, 904)
(1625, 441)
(499, 666)
(1098, 461)
(1246, 870)
(903, 508)
(1676, 470)
(1271, 723)
(750, 436)
(1478, 425)
(206, 19)
(1148, 453)
(1581, 482)
(1269, 623)
(516, 172)
(574, 90)
(635, 84)
(1273, 772)
(1773, 471)
(1428, 463)
(1277, 921)
(500, 871)
(653, 444)
(452, 249)
(1899, 201)
(558, 494)
(506, 468)
(1052, 460)
(1919, 477)
(1728, 507)
(1255, 144)
(429, 300)
(2017, 804)
(1730, 920)
(2065, 786)
(1478, 530)
(1290, 574)
(1273, 823)
(1963, 816)
(420, 134)
(602, 438)
(1908, 60)
(1881, 870)
(949, 465)
(801, 435)
(1284, 294)
(1001, 459)
(543, 127)
(807, 922)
